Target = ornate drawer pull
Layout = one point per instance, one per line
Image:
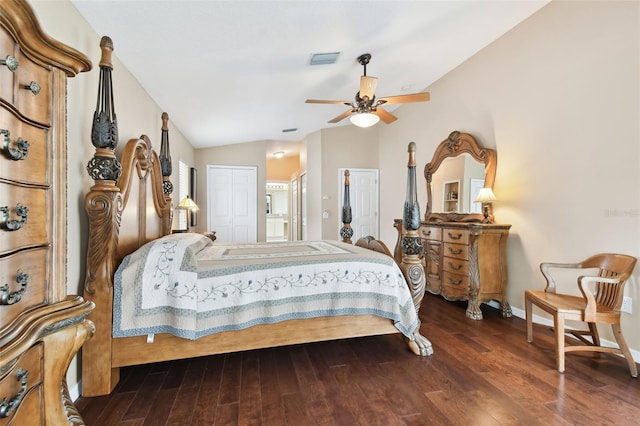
(8, 407)
(455, 267)
(7, 298)
(19, 153)
(13, 225)
(33, 86)
(11, 62)
(454, 237)
(456, 282)
(452, 251)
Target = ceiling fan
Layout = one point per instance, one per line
(366, 108)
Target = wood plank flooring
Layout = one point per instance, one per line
(482, 373)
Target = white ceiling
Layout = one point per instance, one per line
(237, 71)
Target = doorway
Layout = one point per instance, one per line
(277, 211)
(232, 203)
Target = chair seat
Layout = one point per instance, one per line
(572, 307)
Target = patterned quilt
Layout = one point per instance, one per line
(185, 285)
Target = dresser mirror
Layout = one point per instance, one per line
(460, 167)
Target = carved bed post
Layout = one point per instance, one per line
(103, 204)
(346, 232)
(411, 248)
(165, 157)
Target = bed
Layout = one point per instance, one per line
(184, 308)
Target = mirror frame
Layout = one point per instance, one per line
(456, 144)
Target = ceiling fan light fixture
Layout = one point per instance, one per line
(364, 119)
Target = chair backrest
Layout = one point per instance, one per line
(611, 265)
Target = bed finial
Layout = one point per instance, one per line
(106, 45)
(412, 249)
(346, 232)
(165, 157)
(104, 167)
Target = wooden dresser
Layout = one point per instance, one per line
(465, 261)
(463, 251)
(41, 327)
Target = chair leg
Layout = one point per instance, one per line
(617, 333)
(558, 323)
(593, 329)
(529, 314)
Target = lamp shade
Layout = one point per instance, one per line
(485, 196)
(188, 204)
(364, 119)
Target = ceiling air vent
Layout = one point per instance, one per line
(324, 58)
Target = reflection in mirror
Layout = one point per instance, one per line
(456, 184)
(460, 167)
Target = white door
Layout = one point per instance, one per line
(232, 203)
(294, 210)
(363, 195)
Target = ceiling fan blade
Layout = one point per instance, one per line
(368, 86)
(317, 101)
(403, 99)
(385, 116)
(341, 116)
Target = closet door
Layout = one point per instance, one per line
(232, 203)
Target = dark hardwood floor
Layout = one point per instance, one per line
(482, 373)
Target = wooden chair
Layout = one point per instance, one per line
(600, 304)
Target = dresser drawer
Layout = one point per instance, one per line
(21, 384)
(455, 266)
(458, 236)
(30, 411)
(36, 106)
(35, 230)
(32, 168)
(33, 263)
(454, 285)
(7, 47)
(457, 251)
(430, 233)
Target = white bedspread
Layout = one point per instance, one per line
(184, 285)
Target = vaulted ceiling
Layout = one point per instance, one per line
(238, 71)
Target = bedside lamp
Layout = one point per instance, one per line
(191, 207)
(188, 204)
(485, 196)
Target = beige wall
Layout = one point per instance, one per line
(347, 147)
(558, 98)
(137, 114)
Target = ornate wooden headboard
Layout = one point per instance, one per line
(146, 210)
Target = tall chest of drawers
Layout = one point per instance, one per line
(465, 261)
(41, 327)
